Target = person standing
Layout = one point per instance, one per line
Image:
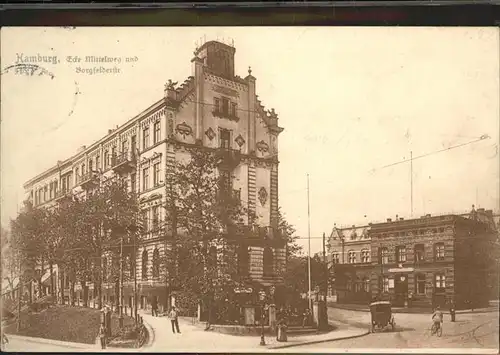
(452, 311)
(102, 336)
(154, 307)
(173, 315)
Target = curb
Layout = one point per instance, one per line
(320, 341)
(52, 342)
(151, 334)
(402, 312)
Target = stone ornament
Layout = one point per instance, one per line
(263, 196)
(184, 129)
(263, 147)
(210, 133)
(240, 140)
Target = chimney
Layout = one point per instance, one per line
(389, 220)
(427, 215)
(110, 131)
(353, 226)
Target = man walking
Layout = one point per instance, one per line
(173, 315)
(102, 336)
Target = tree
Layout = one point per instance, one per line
(206, 213)
(293, 248)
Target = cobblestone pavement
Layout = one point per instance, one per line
(471, 331)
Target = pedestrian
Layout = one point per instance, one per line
(452, 311)
(102, 336)
(410, 299)
(154, 307)
(173, 315)
(305, 319)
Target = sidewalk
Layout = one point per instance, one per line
(193, 337)
(365, 308)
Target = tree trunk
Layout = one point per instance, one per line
(61, 274)
(72, 292)
(40, 285)
(52, 288)
(85, 289)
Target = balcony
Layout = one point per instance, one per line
(87, 180)
(228, 158)
(62, 195)
(123, 163)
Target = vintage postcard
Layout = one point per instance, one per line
(250, 189)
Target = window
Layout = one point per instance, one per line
(145, 220)
(440, 282)
(145, 137)
(97, 162)
(225, 106)
(335, 257)
(351, 256)
(217, 107)
(225, 139)
(384, 255)
(132, 182)
(83, 169)
(113, 155)
(156, 263)
(144, 265)
(45, 190)
(366, 284)
(365, 256)
(420, 287)
(55, 188)
(439, 251)
(156, 218)
(234, 109)
(401, 254)
(124, 146)
(145, 179)
(419, 253)
(268, 262)
(156, 174)
(91, 166)
(133, 146)
(106, 159)
(156, 132)
(385, 284)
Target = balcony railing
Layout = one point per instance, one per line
(61, 195)
(86, 179)
(229, 158)
(123, 162)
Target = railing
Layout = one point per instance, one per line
(124, 157)
(229, 156)
(80, 179)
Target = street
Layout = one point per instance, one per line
(471, 330)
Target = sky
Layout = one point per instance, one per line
(351, 100)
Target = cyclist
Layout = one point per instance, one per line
(437, 318)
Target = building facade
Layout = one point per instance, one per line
(349, 250)
(213, 109)
(426, 261)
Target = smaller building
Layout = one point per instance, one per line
(349, 252)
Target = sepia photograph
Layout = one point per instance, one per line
(250, 189)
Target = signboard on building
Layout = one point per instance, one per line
(391, 283)
(401, 269)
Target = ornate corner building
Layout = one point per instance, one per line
(212, 109)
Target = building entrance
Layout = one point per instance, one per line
(400, 289)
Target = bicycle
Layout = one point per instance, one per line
(437, 328)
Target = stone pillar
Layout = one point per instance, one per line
(249, 315)
(272, 317)
(199, 312)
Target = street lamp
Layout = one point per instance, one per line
(262, 296)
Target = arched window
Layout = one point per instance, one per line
(145, 264)
(268, 261)
(365, 256)
(335, 257)
(156, 263)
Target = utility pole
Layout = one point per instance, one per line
(19, 288)
(120, 319)
(411, 182)
(309, 245)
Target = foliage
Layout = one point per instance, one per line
(204, 210)
(75, 233)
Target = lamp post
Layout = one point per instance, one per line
(262, 296)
